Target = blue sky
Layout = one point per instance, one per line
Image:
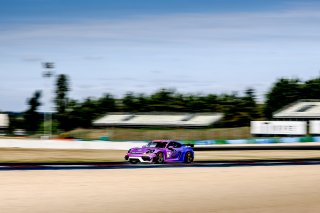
(194, 46)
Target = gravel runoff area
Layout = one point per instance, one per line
(223, 190)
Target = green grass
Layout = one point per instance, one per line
(157, 133)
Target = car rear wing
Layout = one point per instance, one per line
(189, 144)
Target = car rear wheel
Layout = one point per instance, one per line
(188, 158)
(160, 158)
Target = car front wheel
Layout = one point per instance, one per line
(160, 158)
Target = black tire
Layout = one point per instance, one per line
(188, 157)
(133, 161)
(160, 158)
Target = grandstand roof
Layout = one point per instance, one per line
(184, 119)
(4, 120)
(300, 109)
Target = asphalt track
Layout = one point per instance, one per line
(205, 164)
(125, 165)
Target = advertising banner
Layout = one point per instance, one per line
(278, 127)
(314, 127)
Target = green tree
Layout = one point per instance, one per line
(212, 103)
(282, 93)
(106, 103)
(16, 121)
(73, 115)
(231, 107)
(311, 89)
(142, 103)
(129, 103)
(32, 118)
(249, 104)
(161, 101)
(61, 100)
(196, 103)
(87, 113)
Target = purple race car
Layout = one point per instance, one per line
(161, 151)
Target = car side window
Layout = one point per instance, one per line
(171, 144)
(176, 145)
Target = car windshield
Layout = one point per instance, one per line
(157, 144)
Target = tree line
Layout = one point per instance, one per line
(239, 110)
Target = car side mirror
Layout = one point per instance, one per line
(170, 147)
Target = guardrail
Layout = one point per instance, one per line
(256, 147)
(200, 145)
(256, 141)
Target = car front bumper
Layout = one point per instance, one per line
(140, 158)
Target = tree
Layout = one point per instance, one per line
(283, 92)
(311, 89)
(16, 121)
(61, 100)
(87, 113)
(212, 103)
(249, 104)
(142, 103)
(129, 102)
(32, 118)
(162, 100)
(105, 104)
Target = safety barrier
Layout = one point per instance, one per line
(255, 141)
(124, 145)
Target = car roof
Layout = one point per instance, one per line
(164, 141)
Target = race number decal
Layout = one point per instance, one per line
(168, 154)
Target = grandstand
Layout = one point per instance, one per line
(300, 110)
(165, 120)
(112, 119)
(204, 120)
(155, 120)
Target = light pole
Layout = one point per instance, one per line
(47, 117)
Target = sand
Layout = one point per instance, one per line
(227, 190)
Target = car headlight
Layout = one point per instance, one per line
(129, 150)
(150, 151)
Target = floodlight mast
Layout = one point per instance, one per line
(47, 117)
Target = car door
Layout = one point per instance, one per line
(174, 151)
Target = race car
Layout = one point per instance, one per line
(161, 151)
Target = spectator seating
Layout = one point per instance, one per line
(204, 120)
(181, 119)
(112, 119)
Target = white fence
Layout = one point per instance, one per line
(63, 144)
